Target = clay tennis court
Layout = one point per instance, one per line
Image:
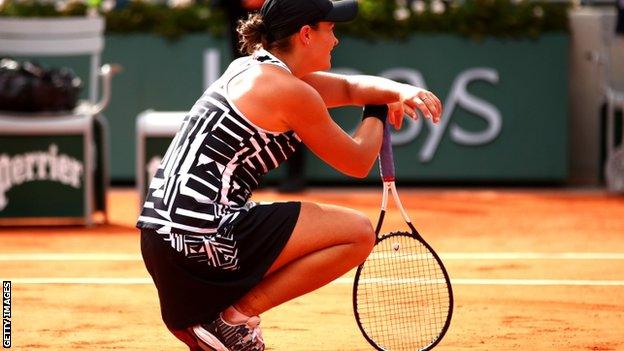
(532, 269)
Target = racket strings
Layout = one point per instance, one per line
(402, 296)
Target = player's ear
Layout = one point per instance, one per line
(305, 35)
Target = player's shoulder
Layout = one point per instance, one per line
(285, 84)
(276, 75)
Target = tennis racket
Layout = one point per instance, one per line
(402, 295)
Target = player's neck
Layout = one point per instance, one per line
(296, 63)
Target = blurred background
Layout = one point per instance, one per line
(531, 91)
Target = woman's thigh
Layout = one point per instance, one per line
(320, 226)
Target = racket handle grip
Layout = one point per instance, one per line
(386, 157)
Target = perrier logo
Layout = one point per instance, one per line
(37, 166)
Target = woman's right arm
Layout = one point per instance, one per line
(343, 90)
(303, 110)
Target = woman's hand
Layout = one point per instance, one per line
(412, 99)
(396, 111)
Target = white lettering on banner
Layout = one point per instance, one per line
(460, 96)
(38, 165)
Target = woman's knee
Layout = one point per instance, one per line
(363, 233)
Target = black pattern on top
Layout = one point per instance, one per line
(212, 166)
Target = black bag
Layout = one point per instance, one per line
(29, 87)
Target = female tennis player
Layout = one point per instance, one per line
(218, 259)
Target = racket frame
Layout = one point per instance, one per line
(387, 172)
(390, 187)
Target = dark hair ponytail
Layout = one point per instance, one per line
(253, 35)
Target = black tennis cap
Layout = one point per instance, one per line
(285, 17)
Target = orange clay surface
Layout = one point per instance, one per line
(559, 284)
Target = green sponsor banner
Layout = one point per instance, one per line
(505, 101)
(505, 107)
(42, 176)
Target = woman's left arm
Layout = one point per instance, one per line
(347, 90)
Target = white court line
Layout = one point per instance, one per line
(458, 256)
(340, 281)
(520, 282)
(81, 281)
(537, 282)
(532, 256)
(70, 257)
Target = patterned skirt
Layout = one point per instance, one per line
(197, 277)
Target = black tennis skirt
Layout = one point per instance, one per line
(191, 289)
